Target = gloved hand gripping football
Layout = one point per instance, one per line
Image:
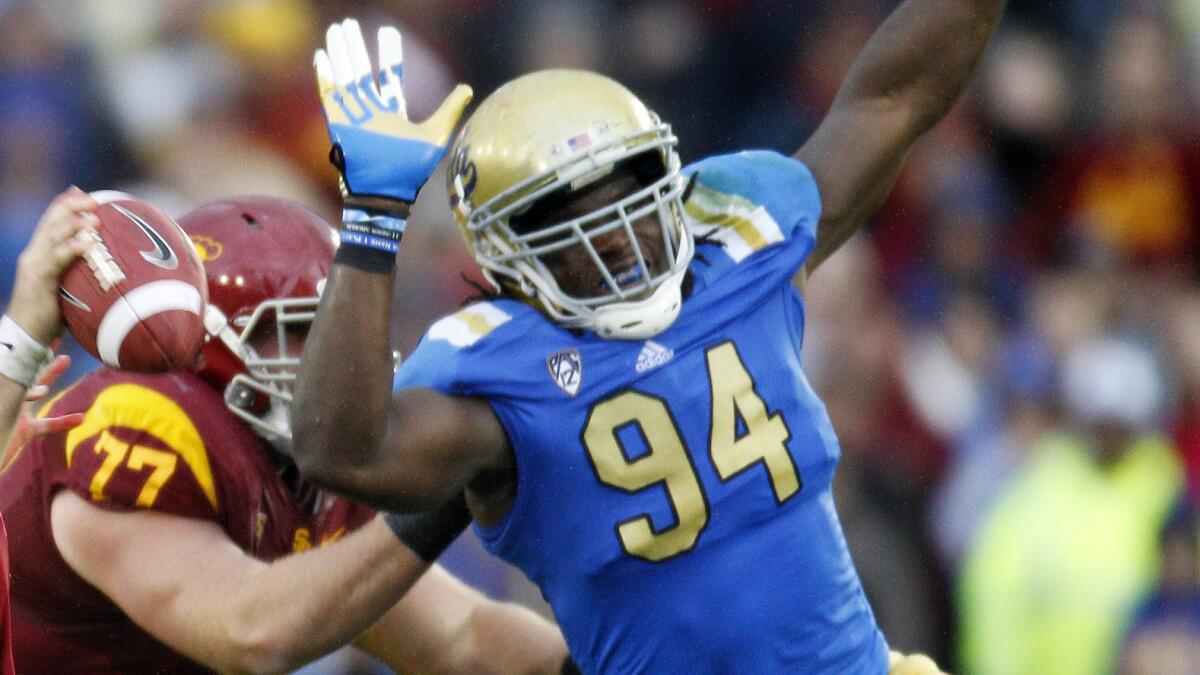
(383, 158)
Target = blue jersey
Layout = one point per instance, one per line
(673, 494)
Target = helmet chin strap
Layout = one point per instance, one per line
(273, 426)
(217, 326)
(643, 318)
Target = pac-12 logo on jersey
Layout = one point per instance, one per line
(566, 369)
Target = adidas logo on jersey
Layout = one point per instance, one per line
(653, 355)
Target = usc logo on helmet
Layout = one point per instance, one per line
(207, 247)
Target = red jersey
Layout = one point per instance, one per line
(6, 657)
(160, 442)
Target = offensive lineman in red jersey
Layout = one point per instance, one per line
(158, 535)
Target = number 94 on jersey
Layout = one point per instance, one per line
(760, 439)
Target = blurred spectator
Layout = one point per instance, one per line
(563, 35)
(984, 464)
(1027, 90)
(52, 133)
(1164, 636)
(1188, 14)
(948, 368)
(941, 232)
(791, 57)
(1182, 323)
(854, 342)
(270, 42)
(1128, 189)
(1070, 547)
(55, 130)
(849, 357)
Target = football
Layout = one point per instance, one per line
(136, 298)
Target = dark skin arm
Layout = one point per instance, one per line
(409, 452)
(906, 78)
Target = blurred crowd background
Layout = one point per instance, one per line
(1010, 352)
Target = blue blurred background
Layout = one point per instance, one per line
(1010, 352)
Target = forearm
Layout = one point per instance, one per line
(275, 617)
(342, 396)
(404, 453)
(23, 355)
(922, 57)
(444, 626)
(508, 638)
(343, 590)
(191, 587)
(906, 79)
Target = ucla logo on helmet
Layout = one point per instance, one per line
(463, 177)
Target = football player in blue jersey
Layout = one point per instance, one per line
(628, 415)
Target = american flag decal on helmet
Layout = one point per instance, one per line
(566, 369)
(580, 142)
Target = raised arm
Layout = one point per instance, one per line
(906, 79)
(418, 449)
(409, 452)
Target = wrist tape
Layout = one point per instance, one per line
(372, 230)
(21, 356)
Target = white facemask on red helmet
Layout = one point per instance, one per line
(266, 260)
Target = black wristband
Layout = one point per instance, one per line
(569, 667)
(365, 259)
(430, 532)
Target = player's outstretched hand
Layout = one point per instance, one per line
(29, 426)
(54, 246)
(382, 156)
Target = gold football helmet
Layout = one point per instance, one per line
(555, 132)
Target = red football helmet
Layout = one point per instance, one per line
(267, 260)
